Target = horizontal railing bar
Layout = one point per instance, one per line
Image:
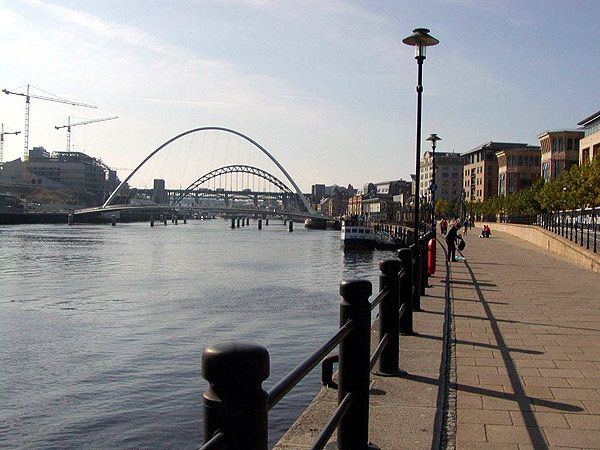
(278, 391)
(379, 349)
(379, 297)
(216, 442)
(339, 412)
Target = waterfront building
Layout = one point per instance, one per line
(84, 178)
(560, 151)
(448, 176)
(336, 204)
(355, 205)
(589, 145)
(480, 171)
(518, 168)
(318, 192)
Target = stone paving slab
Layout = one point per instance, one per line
(527, 347)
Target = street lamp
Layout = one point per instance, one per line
(420, 39)
(433, 138)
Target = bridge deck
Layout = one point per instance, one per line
(526, 351)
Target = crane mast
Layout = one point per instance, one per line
(28, 98)
(2, 133)
(86, 122)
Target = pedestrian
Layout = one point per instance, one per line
(465, 226)
(451, 240)
(443, 226)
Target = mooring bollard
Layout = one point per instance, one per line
(70, 219)
(235, 403)
(406, 290)
(416, 280)
(354, 364)
(291, 226)
(389, 315)
(260, 224)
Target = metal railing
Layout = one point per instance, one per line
(578, 225)
(235, 404)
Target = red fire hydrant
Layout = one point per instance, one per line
(431, 256)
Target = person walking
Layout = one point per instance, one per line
(465, 226)
(451, 240)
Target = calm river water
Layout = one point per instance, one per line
(102, 328)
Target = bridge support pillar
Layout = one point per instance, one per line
(243, 222)
(151, 221)
(113, 221)
(70, 219)
(176, 220)
(260, 224)
(184, 220)
(248, 221)
(266, 221)
(238, 222)
(232, 223)
(291, 226)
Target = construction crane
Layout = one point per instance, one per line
(28, 97)
(2, 133)
(69, 125)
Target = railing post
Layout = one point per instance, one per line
(424, 272)
(406, 290)
(581, 220)
(235, 402)
(354, 364)
(416, 279)
(389, 315)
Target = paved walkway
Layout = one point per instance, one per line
(527, 348)
(525, 366)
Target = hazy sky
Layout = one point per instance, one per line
(326, 86)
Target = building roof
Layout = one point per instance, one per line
(491, 145)
(590, 119)
(560, 131)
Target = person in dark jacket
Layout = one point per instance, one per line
(451, 241)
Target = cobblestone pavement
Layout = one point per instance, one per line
(527, 347)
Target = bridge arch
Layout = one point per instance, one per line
(226, 130)
(236, 168)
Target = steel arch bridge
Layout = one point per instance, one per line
(236, 168)
(263, 174)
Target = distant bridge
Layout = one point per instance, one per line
(198, 197)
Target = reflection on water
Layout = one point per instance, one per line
(102, 328)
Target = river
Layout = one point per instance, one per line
(102, 328)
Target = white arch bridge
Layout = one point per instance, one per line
(232, 198)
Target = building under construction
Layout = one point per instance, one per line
(87, 180)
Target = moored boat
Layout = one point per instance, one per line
(357, 236)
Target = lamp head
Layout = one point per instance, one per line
(433, 138)
(420, 39)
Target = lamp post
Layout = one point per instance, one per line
(420, 39)
(433, 138)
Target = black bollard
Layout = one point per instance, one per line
(354, 364)
(184, 220)
(176, 220)
(406, 290)
(291, 226)
(248, 221)
(165, 221)
(238, 223)
(266, 221)
(113, 221)
(260, 224)
(389, 315)
(235, 403)
(233, 223)
(70, 219)
(416, 279)
(151, 220)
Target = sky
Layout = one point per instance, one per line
(327, 87)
